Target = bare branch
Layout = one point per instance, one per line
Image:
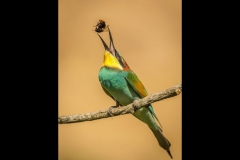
(171, 92)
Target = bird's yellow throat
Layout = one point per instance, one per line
(111, 61)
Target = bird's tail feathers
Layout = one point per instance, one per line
(162, 140)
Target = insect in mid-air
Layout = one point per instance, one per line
(101, 26)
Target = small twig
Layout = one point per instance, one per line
(171, 92)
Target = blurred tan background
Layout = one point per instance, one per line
(148, 35)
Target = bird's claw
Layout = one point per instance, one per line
(110, 112)
(135, 104)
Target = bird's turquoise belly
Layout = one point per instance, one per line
(115, 83)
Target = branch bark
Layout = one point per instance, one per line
(171, 92)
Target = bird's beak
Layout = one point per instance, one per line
(104, 44)
(111, 49)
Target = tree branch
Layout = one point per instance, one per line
(131, 108)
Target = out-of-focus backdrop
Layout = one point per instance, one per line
(148, 35)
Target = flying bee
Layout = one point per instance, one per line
(101, 26)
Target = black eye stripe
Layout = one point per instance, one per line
(120, 60)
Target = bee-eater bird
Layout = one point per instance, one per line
(123, 86)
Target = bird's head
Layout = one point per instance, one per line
(112, 58)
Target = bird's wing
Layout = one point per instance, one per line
(138, 87)
(108, 93)
(136, 84)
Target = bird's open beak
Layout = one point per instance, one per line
(111, 49)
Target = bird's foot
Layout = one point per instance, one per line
(110, 112)
(135, 104)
